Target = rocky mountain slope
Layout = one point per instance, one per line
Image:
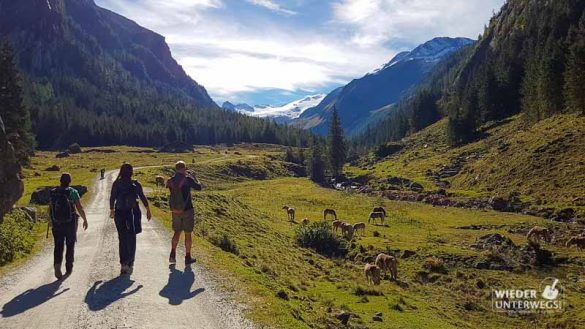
(360, 100)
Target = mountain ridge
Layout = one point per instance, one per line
(359, 101)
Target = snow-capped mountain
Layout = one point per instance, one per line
(366, 99)
(431, 51)
(243, 107)
(281, 114)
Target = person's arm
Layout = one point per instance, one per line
(113, 195)
(195, 184)
(81, 212)
(144, 200)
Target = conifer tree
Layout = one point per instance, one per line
(337, 148)
(317, 163)
(12, 110)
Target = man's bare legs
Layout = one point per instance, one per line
(188, 244)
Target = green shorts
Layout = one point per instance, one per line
(184, 221)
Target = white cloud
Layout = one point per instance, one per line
(270, 4)
(233, 55)
(376, 22)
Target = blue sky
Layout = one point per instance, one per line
(276, 51)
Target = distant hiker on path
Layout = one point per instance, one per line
(182, 209)
(64, 219)
(103, 173)
(125, 211)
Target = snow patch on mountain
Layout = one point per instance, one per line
(430, 51)
(288, 111)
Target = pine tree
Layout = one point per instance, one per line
(337, 148)
(12, 110)
(574, 88)
(317, 164)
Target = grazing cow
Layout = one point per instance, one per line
(160, 181)
(337, 224)
(380, 209)
(360, 227)
(305, 222)
(539, 232)
(290, 213)
(387, 264)
(347, 230)
(375, 215)
(578, 241)
(329, 212)
(372, 273)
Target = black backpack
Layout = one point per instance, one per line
(126, 199)
(62, 207)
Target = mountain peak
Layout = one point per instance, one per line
(283, 113)
(433, 51)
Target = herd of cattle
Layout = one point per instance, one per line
(384, 263)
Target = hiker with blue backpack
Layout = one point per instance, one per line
(65, 200)
(125, 211)
(182, 209)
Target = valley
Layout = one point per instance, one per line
(249, 248)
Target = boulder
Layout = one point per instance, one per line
(74, 148)
(62, 155)
(53, 168)
(565, 215)
(377, 318)
(498, 203)
(42, 196)
(11, 185)
(416, 187)
(343, 317)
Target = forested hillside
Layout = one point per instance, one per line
(94, 77)
(531, 59)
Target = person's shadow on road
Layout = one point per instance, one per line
(178, 288)
(32, 298)
(102, 294)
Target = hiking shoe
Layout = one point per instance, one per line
(172, 259)
(68, 269)
(58, 273)
(123, 269)
(190, 260)
(130, 270)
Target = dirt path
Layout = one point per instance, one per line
(95, 296)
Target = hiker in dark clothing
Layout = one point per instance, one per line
(102, 173)
(182, 209)
(64, 219)
(125, 211)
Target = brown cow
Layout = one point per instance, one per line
(387, 264)
(380, 209)
(290, 213)
(375, 215)
(372, 273)
(329, 212)
(539, 232)
(337, 224)
(360, 227)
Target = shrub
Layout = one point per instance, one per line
(435, 264)
(16, 237)
(318, 236)
(226, 244)
(384, 150)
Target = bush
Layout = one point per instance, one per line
(17, 237)
(384, 150)
(435, 264)
(318, 236)
(226, 244)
